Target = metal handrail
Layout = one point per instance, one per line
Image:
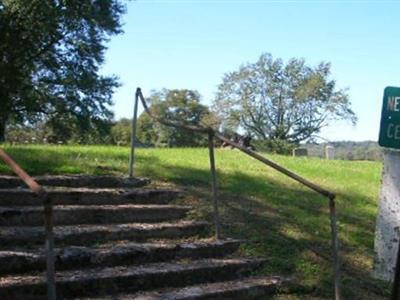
(213, 133)
(270, 163)
(48, 213)
(249, 152)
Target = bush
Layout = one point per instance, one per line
(274, 146)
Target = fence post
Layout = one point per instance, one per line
(133, 133)
(335, 247)
(214, 184)
(48, 215)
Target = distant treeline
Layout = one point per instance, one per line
(348, 150)
(118, 133)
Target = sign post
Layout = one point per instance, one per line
(388, 221)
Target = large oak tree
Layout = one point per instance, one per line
(50, 55)
(272, 100)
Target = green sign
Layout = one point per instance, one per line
(389, 135)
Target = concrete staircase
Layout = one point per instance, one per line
(116, 239)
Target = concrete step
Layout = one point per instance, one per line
(108, 281)
(114, 254)
(86, 196)
(9, 182)
(93, 214)
(242, 289)
(89, 234)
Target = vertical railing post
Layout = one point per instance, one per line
(396, 280)
(335, 247)
(48, 215)
(214, 184)
(133, 133)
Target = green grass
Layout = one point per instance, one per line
(283, 221)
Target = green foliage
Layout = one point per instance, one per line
(50, 55)
(273, 100)
(274, 146)
(179, 106)
(147, 131)
(121, 132)
(64, 132)
(18, 134)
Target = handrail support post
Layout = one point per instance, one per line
(335, 247)
(133, 134)
(50, 264)
(214, 184)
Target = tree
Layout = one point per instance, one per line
(149, 132)
(180, 106)
(121, 132)
(50, 55)
(61, 132)
(271, 100)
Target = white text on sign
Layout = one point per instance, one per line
(393, 131)
(394, 104)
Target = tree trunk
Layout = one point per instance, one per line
(4, 113)
(2, 129)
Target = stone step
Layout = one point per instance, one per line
(86, 196)
(113, 254)
(89, 234)
(93, 214)
(108, 281)
(242, 289)
(77, 181)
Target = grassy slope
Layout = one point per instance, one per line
(284, 221)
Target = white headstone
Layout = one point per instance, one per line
(388, 221)
(330, 152)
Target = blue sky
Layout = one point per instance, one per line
(191, 44)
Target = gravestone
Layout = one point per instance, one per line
(298, 152)
(350, 156)
(330, 152)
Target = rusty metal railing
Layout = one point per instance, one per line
(211, 136)
(48, 217)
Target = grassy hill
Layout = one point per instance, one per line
(282, 220)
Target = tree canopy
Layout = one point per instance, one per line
(273, 100)
(50, 55)
(180, 106)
